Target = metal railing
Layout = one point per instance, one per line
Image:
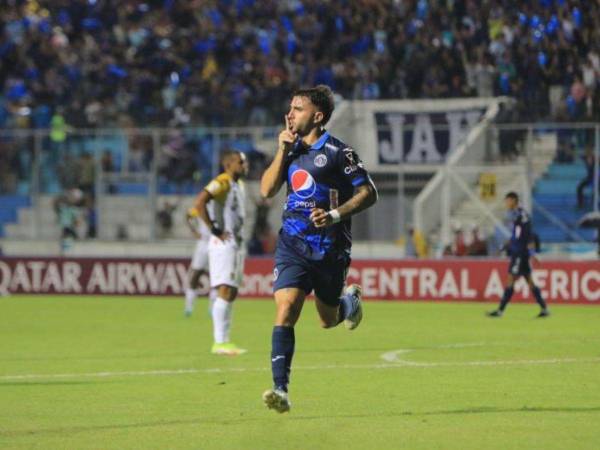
(97, 166)
(149, 167)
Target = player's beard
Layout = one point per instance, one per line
(302, 131)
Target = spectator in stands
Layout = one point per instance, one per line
(140, 153)
(9, 168)
(68, 172)
(586, 181)
(416, 244)
(107, 162)
(66, 207)
(477, 246)
(91, 217)
(108, 166)
(459, 246)
(87, 174)
(230, 63)
(164, 219)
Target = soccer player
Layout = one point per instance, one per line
(313, 249)
(520, 249)
(199, 264)
(225, 198)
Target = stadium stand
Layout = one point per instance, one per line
(67, 66)
(155, 62)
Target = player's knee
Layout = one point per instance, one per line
(227, 293)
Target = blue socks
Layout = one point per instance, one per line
(282, 352)
(283, 342)
(538, 297)
(508, 292)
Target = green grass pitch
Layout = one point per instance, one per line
(129, 373)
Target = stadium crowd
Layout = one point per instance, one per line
(234, 62)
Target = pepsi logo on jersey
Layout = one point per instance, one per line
(303, 183)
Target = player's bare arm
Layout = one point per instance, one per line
(201, 205)
(272, 179)
(189, 220)
(364, 197)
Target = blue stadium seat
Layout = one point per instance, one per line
(556, 192)
(9, 207)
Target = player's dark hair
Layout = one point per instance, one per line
(321, 96)
(512, 195)
(226, 154)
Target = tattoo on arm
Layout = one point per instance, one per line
(364, 197)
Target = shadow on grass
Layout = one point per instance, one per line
(242, 420)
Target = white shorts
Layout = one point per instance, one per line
(225, 262)
(200, 258)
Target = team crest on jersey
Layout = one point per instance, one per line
(303, 183)
(320, 160)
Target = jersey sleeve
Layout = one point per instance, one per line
(218, 188)
(352, 168)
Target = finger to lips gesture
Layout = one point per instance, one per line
(287, 137)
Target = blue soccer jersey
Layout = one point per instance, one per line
(322, 176)
(521, 233)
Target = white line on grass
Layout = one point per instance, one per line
(393, 357)
(399, 364)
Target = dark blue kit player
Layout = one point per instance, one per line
(326, 184)
(520, 249)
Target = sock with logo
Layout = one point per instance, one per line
(282, 352)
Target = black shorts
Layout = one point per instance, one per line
(326, 277)
(519, 266)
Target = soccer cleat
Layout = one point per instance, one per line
(354, 319)
(544, 313)
(495, 313)
(277, 399)
(227, 349)
(187, 313)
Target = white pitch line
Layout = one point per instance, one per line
(400, 365)
(510, 362)
(393, 357)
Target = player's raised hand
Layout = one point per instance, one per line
(320, 218)
(287, 137)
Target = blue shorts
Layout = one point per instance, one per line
(519, 266)
(326, 277)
